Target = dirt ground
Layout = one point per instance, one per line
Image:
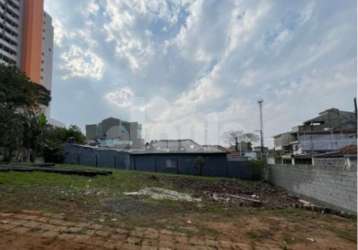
(36, 230)
(52, 211)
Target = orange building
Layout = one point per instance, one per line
(26, 39)
(31, 55)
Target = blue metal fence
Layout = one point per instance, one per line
(214, 164)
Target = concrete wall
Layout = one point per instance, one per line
(334, 186)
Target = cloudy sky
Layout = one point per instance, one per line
(195, 69)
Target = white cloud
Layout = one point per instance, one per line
(92, 7)
(122, 98)
(59, 32)
(205, 91)
(198, 64)
(128, 19)
(82, 63)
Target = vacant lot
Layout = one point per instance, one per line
(54, 211)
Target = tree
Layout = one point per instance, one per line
(74, 133)
(234, 137)
(18, 93)
(250, 137)
(20, 105)
(55, 138)
(11, 133)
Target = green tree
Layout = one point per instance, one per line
(20, 106)
(74, 133)
(55, 138)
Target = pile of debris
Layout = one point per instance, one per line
(243, 200)
(258, 194)
(163, 194)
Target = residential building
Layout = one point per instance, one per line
(26, 39)
(47, 55)
(113, 132)
(284, 142)
(242, 147)
(330, 131)
(11, 31)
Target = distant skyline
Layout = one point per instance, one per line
(186, 69)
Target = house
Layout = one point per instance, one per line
(330, 131)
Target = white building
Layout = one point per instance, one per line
(330, 131)
(47, 55)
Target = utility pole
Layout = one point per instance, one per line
(355, 110)
(260, 102)
(206, 133)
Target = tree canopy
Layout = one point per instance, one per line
(21, 101)
(233, 137)
(18, 92)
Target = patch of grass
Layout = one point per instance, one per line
(91, 199)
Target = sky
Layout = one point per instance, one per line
(196, 68)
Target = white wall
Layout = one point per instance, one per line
(325, 142)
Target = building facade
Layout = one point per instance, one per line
(26, 39)
(11, 31)
(332, 130)
(113, 132)
(47, 52)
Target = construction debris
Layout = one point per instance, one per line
(230, 197)
(164, 194)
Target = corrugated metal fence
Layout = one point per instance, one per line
(212, 164)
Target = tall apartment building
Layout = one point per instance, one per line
(26, 39)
